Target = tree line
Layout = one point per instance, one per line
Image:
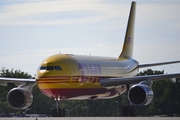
(166, 100)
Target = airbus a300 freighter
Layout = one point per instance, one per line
(76, 77)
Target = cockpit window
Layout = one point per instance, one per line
(56, 67)
(50, 68)
(43, 68)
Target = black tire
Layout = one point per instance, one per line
(125, 111)
(54, 112)
(128, 111)
(59, 112)
(132, 112)
(63, 112)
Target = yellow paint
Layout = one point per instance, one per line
(71, 76)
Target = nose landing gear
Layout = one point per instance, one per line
(58, 111)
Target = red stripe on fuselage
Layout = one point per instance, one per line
(75, 79)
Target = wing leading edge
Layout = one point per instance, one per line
(157, 64)
(16, 81)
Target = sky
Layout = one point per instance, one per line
(32, 30)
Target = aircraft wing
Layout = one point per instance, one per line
(157, 64)
(136, 79)
(16, 81)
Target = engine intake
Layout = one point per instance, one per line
(140, 94)
(19, 98)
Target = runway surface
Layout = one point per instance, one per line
(92, 118)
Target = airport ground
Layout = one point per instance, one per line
(90, 118)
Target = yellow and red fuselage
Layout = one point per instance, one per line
(67, 76)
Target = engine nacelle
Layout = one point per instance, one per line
(140, 94)
(19, 98)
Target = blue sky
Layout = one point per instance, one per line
(32, 30)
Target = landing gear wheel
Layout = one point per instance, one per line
(125, 111)
(128, 111)
(63, 112)
(58, 113)
(132, 111)
(53, 112)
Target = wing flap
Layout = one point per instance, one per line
(136, 79)
(3, 83)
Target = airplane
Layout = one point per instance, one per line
(77, 77)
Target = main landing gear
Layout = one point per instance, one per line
(58, 111)
(128, 111)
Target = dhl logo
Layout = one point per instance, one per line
(89, 69)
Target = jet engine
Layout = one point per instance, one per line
(140, 94)
(19, 98)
